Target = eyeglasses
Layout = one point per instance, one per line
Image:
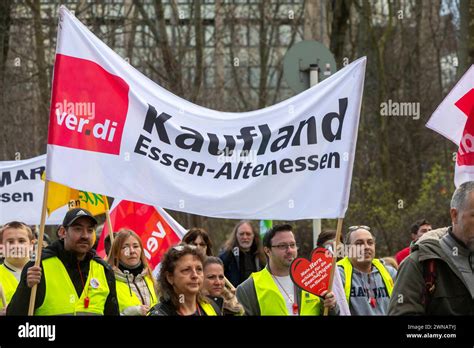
(284, 246)
(353, 228)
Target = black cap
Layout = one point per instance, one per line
(76, 213)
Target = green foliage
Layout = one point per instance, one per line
(375, 203)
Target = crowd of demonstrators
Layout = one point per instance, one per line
(200, 238)
(435, 273)
(418, 229)
(271, 290)
(437, 278)
(214, 286)
(368, 282)
(136, 289)
(71, 278)
(18, 240)
(180, 284)
(243, 253)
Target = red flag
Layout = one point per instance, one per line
(454, 118)
(156, 228)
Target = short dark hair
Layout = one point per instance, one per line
(325, 236)
(417, 224)
(212, 260)
(267, 238)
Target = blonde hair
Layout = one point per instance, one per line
(119, 240)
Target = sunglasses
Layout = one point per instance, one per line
(353, 228)
(181, 247)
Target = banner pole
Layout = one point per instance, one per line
(334, 259)
(313, 81)
(107, 219)
(229, 284)
(40, 246)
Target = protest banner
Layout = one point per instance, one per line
(21, 192)
(454, 119)
(156, 228)
(148, 145)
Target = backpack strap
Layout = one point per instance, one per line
(429, 275)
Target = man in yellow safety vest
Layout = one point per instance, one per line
(76, 281)
(271, 291)
(368, 282)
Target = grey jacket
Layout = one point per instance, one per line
(451, 295)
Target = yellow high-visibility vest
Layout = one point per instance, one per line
(271, 301)
(128, 298)
(208, 309)
(8, 282)
(61, 296)
(347, 266)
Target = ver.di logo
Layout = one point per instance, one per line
(89, 106)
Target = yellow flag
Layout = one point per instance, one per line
(60, 195)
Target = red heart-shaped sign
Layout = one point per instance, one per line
(312, 276)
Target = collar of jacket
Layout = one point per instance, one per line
(67, 257)
(430, 248)
(164, 308)
(120, 276)
(457, 240)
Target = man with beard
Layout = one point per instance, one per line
(76, 281)
(438, 276)
(368, 282)
(243, 253)
(271, 290)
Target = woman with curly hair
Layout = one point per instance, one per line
(180, 283)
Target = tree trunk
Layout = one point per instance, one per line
(5, 20)
(342, 11)
(41, 122)
(199, 72)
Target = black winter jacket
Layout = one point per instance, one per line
(21, 299)
(166, 308)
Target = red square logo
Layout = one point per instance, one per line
(88, 107)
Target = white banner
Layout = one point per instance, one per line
(115, 132)
(21, 192)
